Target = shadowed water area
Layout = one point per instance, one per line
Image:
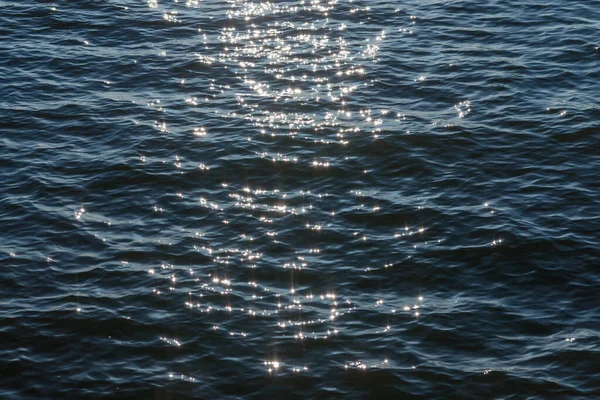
(300, 199)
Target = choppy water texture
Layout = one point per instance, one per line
(300, 199)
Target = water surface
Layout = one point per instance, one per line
(300, 199)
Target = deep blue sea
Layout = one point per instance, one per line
(300, 199)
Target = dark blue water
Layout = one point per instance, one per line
(300, 199)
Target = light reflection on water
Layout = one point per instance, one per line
(298, 78)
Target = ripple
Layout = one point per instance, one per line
(317, 198)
